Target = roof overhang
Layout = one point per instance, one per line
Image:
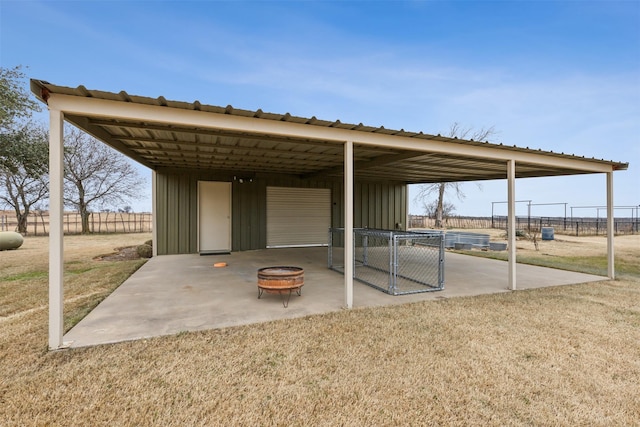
(170, 135)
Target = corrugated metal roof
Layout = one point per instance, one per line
(175, 146)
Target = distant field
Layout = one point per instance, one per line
(99, 222)
(552, 356)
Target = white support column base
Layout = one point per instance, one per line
(511, 228)
(348, 224)
(56, 232)
(611, 270)
(154, 214)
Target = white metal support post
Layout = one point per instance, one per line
(406, 208)
(348, 224)
(511, 227)
(56, 237)
(154, 214)
(611, 271)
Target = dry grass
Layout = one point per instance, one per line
(586, 254)
(553, 356)
(24, 272)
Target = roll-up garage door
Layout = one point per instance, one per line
(298, 216)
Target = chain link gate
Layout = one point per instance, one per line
(395, 262)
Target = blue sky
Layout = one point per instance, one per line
(555, 75)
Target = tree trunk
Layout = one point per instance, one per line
(440, 207)
(22, 221)
(84, 215)
(84, 212)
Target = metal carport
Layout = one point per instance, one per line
(162, 134)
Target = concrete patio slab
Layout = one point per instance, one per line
(176, 293)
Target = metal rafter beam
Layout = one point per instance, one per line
(376, 161)
(148, 153)
(160, 142)
(241, 135)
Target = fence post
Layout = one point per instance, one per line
(44, 226)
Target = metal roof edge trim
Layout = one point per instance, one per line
(43, 89)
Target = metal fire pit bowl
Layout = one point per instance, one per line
(281, 280)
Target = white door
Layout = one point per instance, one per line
(298, 217)
(214, 217)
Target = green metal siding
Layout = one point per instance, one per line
(376, 205)
(248, 207)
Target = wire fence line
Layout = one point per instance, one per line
(123, 222)
(424, 221)
(575, 226)
(99, 222)
(565, 225)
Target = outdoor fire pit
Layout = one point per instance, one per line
(281, 280)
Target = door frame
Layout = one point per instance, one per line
(199, 208)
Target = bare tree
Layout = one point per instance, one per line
(431, 209)
(96, 175)
(425, 191)
(21, 192)
(24, 177)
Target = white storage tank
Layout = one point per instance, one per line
(10, 240)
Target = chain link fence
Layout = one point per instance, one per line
(395, 262)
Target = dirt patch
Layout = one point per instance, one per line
(125, 253)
